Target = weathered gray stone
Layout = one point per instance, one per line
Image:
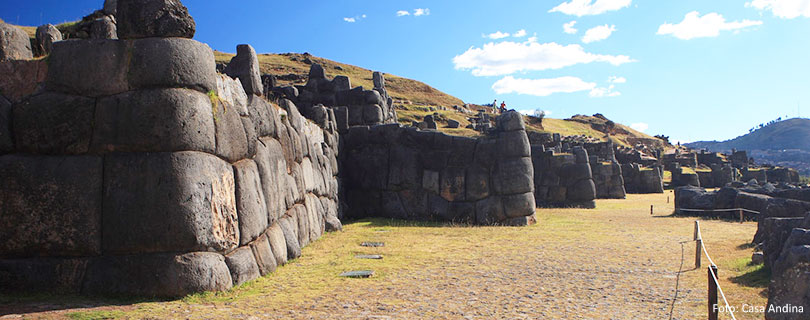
(54, 275)
(50, 205)
(304, 224)
(265, 258)
(158, 120)
(46, 35)
(172, 62)
(477, 183)
(54, 123)
(790, 282)
(372, 114)
(182, 201)
(157, 275)
(232, 143)
(250, 203)
(518, 205)
(153, 18)
(378, 80)
(489, 211)
(289, 226)
(513, 144)
(583, 190)
(6, 140)
(90, 68)
(452, 184)
(510, 121)
(232, 95)
(513, 176)
(14, 43)
(263, 116)
(273, 173)
(242, 265)
(245, 66)
(110, 7)
(103, 28)
(341, 83)
(275, 236)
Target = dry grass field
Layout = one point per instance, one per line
(614, 262)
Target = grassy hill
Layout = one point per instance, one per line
(788, 134)
(292, 68)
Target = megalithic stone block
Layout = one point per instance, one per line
(168, 202)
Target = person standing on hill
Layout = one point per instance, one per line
(495, 106)
(503, 106)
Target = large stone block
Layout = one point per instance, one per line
(404, 171)
(775, 232)
(245, 66)
(153, 18)
(452, 184)
(50, 205)
(14, 43)
(477, 183)
(263, 115)
(158, 120)
(510, 121)
(22, 78)
(513, 144)
(232, 143)
(518, 205)
(157, 275)
(90, 68)
(573, 173)
(53, 275)
(289, 226)
(583, 190)
(304, 224)
(275, 236)
(172, 62)
(489, 211)
(250, 203)
(242, 265)
(168, 202)
(54, 123)
(265, 258)
(45, 37)
(6, 139)
(513, 176)
(273, 175)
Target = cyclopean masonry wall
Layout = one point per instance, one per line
(139, 170)
(563, 180)
(352, 106)
(638, 179)
(406, 173)
(607, 172)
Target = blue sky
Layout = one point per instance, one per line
(689, 69)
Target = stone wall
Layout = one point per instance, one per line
(352, 106)
(638, 179)
(563, 180)
(607, 176)
(406, 173)
(140, 170)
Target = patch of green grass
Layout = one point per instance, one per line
(751, 275)
(96, 315)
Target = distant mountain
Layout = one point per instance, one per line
(784, 143)
(783, 135)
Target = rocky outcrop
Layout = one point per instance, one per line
(14, 43)
(789, 290)
(45, 37)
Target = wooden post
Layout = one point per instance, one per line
(667, 199)
(698, 245)
(651, 209)
(741, 216)
(713, 307)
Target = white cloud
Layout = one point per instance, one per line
(601, 92)
(615, 79)
(363, 16)
(520, 34)
(569, 27)
(497, 35)
(640, 126)
(421, 12)
(401, 13)
(598, 33)
(507, 57)
(541, 87)
(709, 25)
(350, 20)
(786, 9)
(354, 19)
(590, 7)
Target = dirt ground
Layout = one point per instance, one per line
(614, 262)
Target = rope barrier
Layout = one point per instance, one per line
(711, 263)
(717, 210)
